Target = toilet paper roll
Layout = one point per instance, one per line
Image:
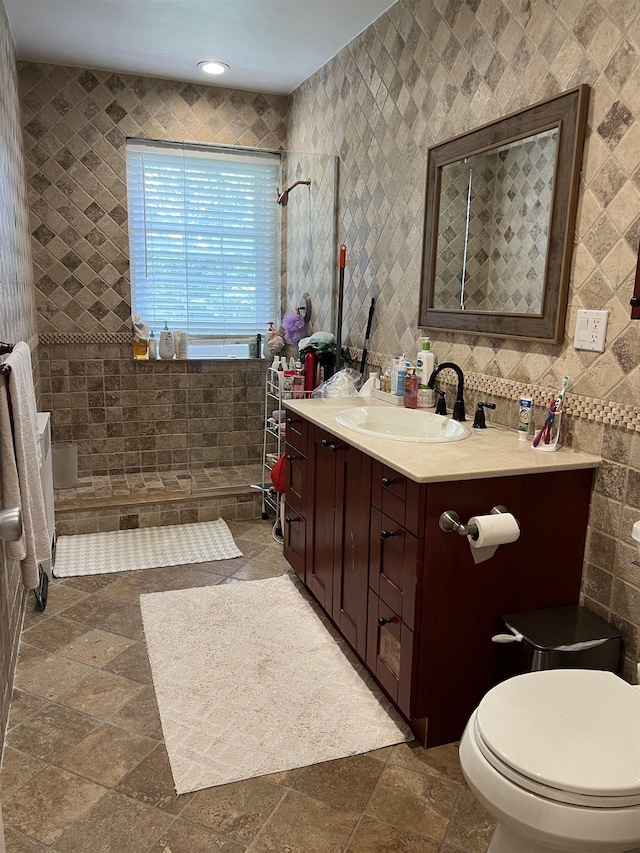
(493, 530)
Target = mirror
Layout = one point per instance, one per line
(499, 222)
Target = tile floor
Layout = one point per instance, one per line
(85, 769)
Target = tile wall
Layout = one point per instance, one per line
(17, 322)
(152, 416)
(125, 416)
(428, 70)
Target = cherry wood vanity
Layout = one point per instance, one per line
(364, 537)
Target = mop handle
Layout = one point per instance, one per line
(341, 264)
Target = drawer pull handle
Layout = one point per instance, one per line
(325, 442)
(382, 621)
(290, 421)
(386, 481)
(291, 520)
(385, 534)
(335, 447)
(291, 457)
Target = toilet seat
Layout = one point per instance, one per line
(572, 736)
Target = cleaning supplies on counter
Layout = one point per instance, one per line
(167, 347)
(140, 338)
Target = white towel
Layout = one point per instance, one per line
(21, 485)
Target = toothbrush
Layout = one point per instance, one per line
(560, 394)
(555, 406)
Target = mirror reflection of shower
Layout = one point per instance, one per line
(463, 276)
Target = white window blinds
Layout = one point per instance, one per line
(204, 238)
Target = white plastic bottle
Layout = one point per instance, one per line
(167, 348)
(153, 353)
(426, 363)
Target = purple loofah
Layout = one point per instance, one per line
(293, 326)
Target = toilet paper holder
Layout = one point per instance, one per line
(450, 521)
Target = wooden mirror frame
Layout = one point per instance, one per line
(567, 112)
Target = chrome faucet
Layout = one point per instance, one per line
(458, 406)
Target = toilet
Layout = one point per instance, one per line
(554, 757)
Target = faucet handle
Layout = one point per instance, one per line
(479, 421)
(441, 405)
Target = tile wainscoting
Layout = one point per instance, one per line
(131, 416)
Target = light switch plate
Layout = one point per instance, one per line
(591, 330)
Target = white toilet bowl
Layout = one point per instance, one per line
(554, 756)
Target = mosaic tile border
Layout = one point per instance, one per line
(86, 338)
(578, 405)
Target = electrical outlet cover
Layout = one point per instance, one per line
(591, 330)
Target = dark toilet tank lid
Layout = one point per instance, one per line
(560, 626)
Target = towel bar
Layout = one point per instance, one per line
(5, 369)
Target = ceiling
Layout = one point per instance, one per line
(270, 45)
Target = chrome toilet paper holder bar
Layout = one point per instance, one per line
(450, 521)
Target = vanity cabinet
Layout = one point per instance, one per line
(295, 521)
(407, 596)
(338, 495)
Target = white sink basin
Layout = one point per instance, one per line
(402, 424)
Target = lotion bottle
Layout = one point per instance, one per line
(425, 365)
(153, 353)
(167, 349)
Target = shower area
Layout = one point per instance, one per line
(181, 441)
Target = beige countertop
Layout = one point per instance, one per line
(491, 452)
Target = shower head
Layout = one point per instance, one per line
(283, 197)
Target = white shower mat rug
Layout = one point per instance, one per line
(251, 680)
(146, 548)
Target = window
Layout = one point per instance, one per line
(204, 242)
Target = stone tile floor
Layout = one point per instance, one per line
(85, 769)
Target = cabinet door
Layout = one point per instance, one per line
(296, 481)
(321, 466)
(391, 653)
(351, 546)
(396, 570)
(295, 540)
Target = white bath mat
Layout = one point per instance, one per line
(146, 548)
(249, 681)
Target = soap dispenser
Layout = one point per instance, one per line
(167, 348)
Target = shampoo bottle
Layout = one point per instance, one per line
(167, 349)
(153, 353)
(402, 375)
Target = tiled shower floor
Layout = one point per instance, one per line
(85, 768)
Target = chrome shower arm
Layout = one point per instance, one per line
(283, 197)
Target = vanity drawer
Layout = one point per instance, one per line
(297, 432)
(398, 497)
(395, 566)
(391, 652)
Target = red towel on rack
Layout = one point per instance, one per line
(278, 474)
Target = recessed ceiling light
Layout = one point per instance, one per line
(210, 66)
